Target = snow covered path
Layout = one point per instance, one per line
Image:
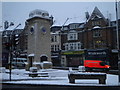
(56, 77)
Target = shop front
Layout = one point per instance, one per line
(73, 58)
(55, 57)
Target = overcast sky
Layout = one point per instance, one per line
(18, 12)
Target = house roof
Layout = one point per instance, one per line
(96, 13)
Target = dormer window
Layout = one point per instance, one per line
(96, 23)
(43, 14)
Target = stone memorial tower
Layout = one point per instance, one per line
(38, 28)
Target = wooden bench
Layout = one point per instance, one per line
(80, 75)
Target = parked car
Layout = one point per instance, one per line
(17, 63)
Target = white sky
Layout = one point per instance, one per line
(18, 12)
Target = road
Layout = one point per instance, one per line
(52, 87)
(113, 72)
(74, 68)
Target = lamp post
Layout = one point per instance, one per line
(7, 24)
(11, 49)
(61, 33)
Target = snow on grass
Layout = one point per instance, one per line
(112, 79)
(56, 77)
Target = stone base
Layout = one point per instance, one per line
(46, 65)
(42, 65)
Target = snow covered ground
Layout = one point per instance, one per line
(56, 77)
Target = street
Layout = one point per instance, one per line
(58, 87)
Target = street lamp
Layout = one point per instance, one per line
(11, 49)
(7, 24)
(61, 33)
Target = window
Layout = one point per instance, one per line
(72, 46)
(58, 48)
(53, 38)
(79, 46)
(64, 28)
(74, 26)
(99, 44)
(96, 23)
(66, 46)
(72, 36)
(55, 48)
(97, 33)
(52, 48)
(75, 46)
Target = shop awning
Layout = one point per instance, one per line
(73, 52)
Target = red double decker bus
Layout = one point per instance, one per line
(97, 59)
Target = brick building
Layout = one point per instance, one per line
(56, 45)
(95, 33)
(72, 45)
(98, 33)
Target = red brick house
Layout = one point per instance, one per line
(95, 33)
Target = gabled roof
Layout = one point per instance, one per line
(96, 13)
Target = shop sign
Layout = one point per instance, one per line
(73, 52)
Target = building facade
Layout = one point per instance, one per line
(98, 32)
(63, 45)
(72, 45)
(56, 45)
(1, 48)
(10, 45)
(95, 33)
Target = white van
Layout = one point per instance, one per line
(19, 62)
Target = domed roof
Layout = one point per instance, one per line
(39, 13)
